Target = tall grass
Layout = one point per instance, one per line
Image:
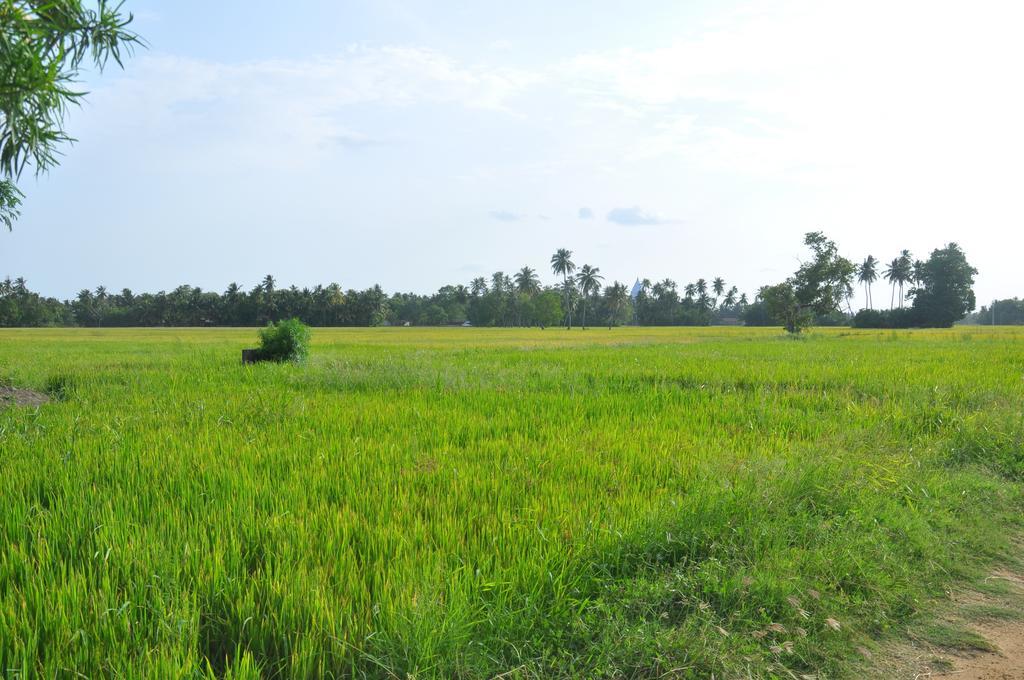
(469, 502)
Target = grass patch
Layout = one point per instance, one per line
(991, 612)
(954, 637)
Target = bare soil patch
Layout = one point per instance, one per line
(984, 637)
(14, 396)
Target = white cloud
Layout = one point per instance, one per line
(505, 216)
(284, 111)
(875, 121)
(634, 216)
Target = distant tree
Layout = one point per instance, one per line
(867, 274)
(1003, 312)
(589, 280)
(478, 286)
(944, 293)
(892, 275)
(42, 47)
(689, 290)
(718, 286)
(527, 281)
(730, 297)
(664, 307)
(561, 263)
(434, 315)
(757, 314)
(642, 303)
(616, 298)
(570, 299)
(817, 288)
(905, 272)
(546, 308)
(500, 283)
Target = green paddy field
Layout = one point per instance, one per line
(469, 503)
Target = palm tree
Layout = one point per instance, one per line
(702, 288)
(588, 280)
(570, 295)
(689, 291)
(718, 285)
(616, 295)
(265, 291)
(561, 263)
(906, 272)
(230, 303)
(730, 297)
(527, 281)
(478, 286)
(892, 275)
(867, 274)
(499, 281)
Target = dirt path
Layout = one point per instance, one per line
(982, 638)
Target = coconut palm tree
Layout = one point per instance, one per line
(527, 281)
(617, 297)
(892, 275)
(561, 263)
(478, 286)
(589, 280)
(730, 297)
(718, 286)
(702, 288)
(268, 284)
(906, 272)
(867, 274)
(689, 290)
(500, 283)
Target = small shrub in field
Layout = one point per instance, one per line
(284, 341)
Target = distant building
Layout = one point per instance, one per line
(636, 289)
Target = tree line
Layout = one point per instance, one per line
(932, 292)
(580, 297)
(1008, 312)
(939, 289)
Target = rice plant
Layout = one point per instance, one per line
(470, 502)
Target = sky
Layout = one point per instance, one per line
(417, 143)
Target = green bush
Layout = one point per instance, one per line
(284, 341)
(887, 318)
